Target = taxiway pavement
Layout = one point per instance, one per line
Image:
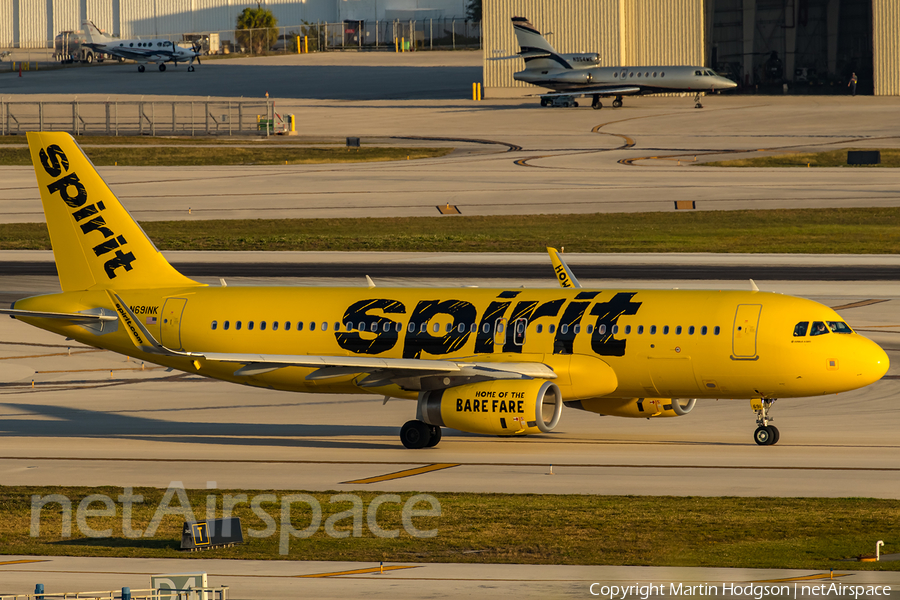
(642, 157)
(95, 418)
(340, 580)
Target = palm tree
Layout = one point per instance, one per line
(256, 29)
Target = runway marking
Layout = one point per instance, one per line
(781, 149)
(405, 473)
(103, 370)
(22, 562)
(806, 578)
(463, 464)
(868, 302)
(510, 147)
(359, 571)
(52, 354)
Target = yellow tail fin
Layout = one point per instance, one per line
(96, 243)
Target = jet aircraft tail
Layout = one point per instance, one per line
(96, 242)
(93, 33)
(539, 55)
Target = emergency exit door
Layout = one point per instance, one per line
(170, 330)
(744, 332)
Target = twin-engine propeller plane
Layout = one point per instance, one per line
(575, 75)
(490, 361)
(142, 51)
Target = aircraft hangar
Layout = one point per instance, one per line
(32, 23)
(813, 46)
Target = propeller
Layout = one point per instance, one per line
(196, 47)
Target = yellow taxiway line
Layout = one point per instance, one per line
(360, 571)
(405, 473)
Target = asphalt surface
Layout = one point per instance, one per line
(511, 272)
(645, 156)
(93, 418)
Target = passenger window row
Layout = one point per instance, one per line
(461, 328)
(638, 74)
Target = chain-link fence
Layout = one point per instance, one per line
(179, 117)
(399, 36)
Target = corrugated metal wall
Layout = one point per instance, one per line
(664, 33)
(577, 26)
(6, 24)
(66, 16)
(40, 20)
(886, 24)
(101, 13)
(624, 32)
(33, 23)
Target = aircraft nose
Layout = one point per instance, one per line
(872, 360)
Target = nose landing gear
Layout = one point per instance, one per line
(697, 101)
(765, 434)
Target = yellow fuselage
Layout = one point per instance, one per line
(600, 343)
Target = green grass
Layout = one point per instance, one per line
(814, 231)
(158, 156)
(890, 157)
(798, 533)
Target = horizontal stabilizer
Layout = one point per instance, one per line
(524, 54)
(74, 317)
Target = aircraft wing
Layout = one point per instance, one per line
(602, 90)
(380, 370)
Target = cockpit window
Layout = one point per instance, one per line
(698, 72)
(800, 328)
(818, 328)
(839, 327)
(710, 73)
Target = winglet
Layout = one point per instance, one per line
(563, 272)
(753, 286)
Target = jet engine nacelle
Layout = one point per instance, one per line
(587, 58)
(501, 407)
(640, 408)
(573, 77)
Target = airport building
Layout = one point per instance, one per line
(34, 23)
(813, 46)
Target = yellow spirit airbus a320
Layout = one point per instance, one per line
(491, 361)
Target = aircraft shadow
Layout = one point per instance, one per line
(119, 542)
(67, 422)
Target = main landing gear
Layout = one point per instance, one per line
(141, 68)
(617, 103)
(595, 102)
(417, 434)
(162, 66)
(765, 434)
